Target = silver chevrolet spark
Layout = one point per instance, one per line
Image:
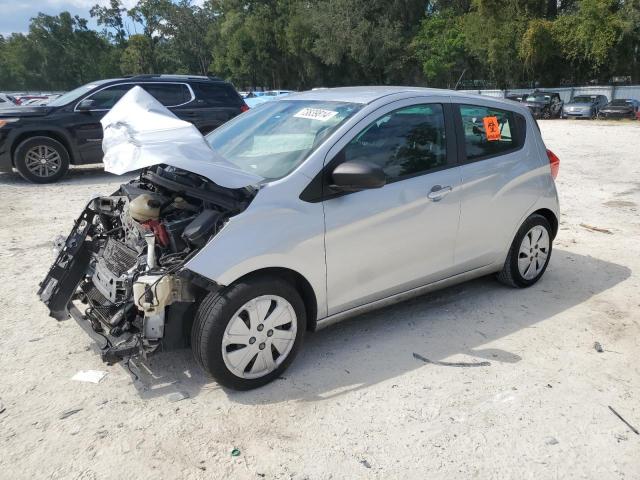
(313, 208)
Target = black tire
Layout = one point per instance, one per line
(20, 159)
(215, 313)
(510, 274)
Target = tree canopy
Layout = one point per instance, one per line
(300, 44)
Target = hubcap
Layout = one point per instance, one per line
(259, 336)
(43, 161)
(533, 252)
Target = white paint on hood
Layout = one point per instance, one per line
(140, 132)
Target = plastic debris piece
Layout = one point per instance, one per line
(91, 376)
(2, 407)
(596, 229)
(68, 413)
(551, 441)
(598, 346)
(417, 356)
(235, 452)
(633, 429)
(177, 396)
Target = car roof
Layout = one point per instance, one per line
(370, 94)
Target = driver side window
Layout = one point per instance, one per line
(404, 142)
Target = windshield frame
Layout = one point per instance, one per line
(74, 95)
(293, 108)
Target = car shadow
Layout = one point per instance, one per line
(82, 175)
(380, 345)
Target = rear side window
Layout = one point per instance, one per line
(216, 94)
(168, 94)
(405, 142)
(489, 131)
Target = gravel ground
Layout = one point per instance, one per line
(356, 403)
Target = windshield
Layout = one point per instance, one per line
(621, 103)
(272, 139)
(73, 95)
(538, 98)
(582, 100)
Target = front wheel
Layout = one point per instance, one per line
(246, 335)
(41, 160)
(529, 254)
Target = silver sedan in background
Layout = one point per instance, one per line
(584, 106)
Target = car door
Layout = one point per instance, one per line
(85, 126)
(497, 187)
(384, 241)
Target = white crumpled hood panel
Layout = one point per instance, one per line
(139, 132)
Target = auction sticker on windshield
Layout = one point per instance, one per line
(316, 114)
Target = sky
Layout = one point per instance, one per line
(15, 14)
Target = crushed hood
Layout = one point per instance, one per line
(140, 132)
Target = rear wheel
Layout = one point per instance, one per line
(529, 254)
(41, 160)
(248, 334)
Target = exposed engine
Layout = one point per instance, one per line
(120, 269)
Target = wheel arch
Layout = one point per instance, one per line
(551, 218)
(53, 134)
(300, 283)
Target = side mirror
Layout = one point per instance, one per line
(85, 105)
(355, 176)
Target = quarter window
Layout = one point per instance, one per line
(216, 95)
(168, 94)
(488, 131)
(404, 142)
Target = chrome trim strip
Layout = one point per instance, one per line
(402, 296)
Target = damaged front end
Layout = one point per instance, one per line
(120, 273)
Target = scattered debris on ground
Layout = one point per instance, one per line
(68, 413)
(91, 376)
(551, 441)
(633, 429)
(598, 347)
(417, 356)
(235, 452)
(177, 396)
(596, 229)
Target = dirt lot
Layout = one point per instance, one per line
(356, 403)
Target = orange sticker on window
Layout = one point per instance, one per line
(491, 128)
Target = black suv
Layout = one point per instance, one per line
(41, 142)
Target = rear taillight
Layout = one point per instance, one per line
(554, 162)
(244, 107)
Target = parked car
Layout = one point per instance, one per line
(584, 106)
(7, 101)
(544, 104)
(253, 99)
(312, 208)
(41, 141)
(621, 108)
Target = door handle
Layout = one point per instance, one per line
(438, 192)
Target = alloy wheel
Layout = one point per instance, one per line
(43, 161)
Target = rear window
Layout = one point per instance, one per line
(490, 131)
(216, 94)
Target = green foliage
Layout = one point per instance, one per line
(301, 44)
(440, 47)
